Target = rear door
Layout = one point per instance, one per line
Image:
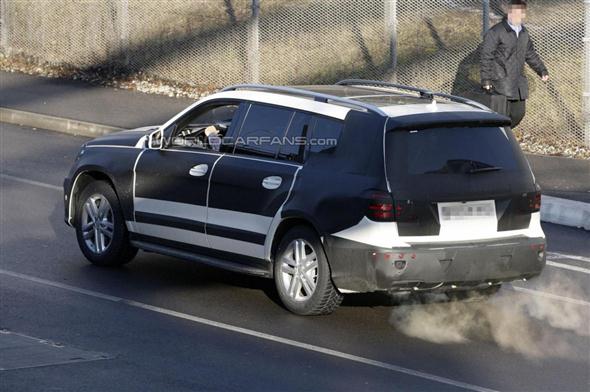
(458, 182)
(249, 186)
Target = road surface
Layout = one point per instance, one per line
(161, 324)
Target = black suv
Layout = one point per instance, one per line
(356, 187)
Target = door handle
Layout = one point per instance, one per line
(272, 182)
(199, 170)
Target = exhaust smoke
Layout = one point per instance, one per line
(533, 326)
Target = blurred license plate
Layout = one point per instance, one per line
(467, 211)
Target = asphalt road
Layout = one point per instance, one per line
(166, 324)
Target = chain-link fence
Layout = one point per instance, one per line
(428, 43)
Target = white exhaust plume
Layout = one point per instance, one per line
(536, 327)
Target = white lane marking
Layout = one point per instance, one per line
(568, 267)
(556, 297)
(31, 182)
(556, 255)
(249, 332)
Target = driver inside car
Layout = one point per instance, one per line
(214, 136)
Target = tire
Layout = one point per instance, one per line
(93, 241)
(474, 295)
(295, 276)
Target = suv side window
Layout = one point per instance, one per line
(293, 146)
(263, 130)
(325, 136)
(206, 126)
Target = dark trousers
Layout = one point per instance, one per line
(515, 109)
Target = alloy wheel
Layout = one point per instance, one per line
(97, 223)
(299, 270)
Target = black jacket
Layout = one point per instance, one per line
(502, 61)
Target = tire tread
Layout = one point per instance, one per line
(331, 299)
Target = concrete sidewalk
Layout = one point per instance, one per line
(81, 101)
(562, 177)
(80, 108)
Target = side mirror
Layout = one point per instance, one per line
(156, 140)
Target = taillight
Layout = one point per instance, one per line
(380, 207)
(533, 201)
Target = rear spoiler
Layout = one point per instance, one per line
(447, 120)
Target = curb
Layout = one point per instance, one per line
(553, 209)
(51, 123)
(565, 212)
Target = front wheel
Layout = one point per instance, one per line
(302, 274)
(100, 227)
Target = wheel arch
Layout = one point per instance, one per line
(287, 224)
(81, 181)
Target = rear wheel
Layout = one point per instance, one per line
(100, 226)
(302, 274)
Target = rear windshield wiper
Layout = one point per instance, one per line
(464, 166)
(475, 170)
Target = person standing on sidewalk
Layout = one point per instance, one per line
(506, 48)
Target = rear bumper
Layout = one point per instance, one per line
(359, 267)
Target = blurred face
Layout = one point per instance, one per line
(516, 15)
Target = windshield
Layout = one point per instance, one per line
(460, 150)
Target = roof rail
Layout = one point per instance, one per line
(424, 93)
(319, 97)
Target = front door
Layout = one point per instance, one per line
(170, 201)
(171, 185)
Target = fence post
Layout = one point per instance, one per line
(254, 44)
(586, 71)
(486, 16)
(5, 30)
(391, 31)
(123, 20)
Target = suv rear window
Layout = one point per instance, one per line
(326, 135)
(451, 151)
